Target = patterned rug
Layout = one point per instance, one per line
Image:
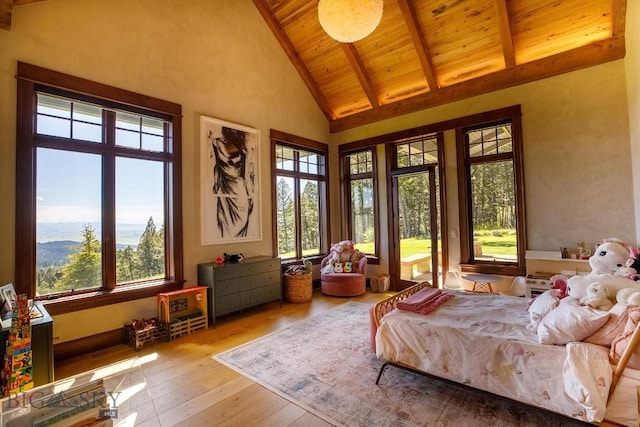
(325, 365)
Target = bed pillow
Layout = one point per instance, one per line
(541, 305)
(619, 344)
(569, 322)
(618, 316)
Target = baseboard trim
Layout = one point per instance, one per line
(69, 349)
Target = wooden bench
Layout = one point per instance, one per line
(415, 265)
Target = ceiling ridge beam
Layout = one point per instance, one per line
(419, 42)
(502, 16)
(361, 73)
(295, 59)
(583, 57)
(6, 8)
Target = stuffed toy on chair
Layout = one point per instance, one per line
(609, 256)
(597, 297)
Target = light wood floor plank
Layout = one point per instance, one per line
(187, 387)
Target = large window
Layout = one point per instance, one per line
(300, 196)
(98, 183)
(492, 196)
(360, 199)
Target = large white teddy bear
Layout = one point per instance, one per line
(607, 259)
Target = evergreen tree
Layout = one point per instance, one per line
(285, 217)
(85, 267)
(150, 252)
(310, 216)
(126, 265)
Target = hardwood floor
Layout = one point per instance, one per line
(189, 388)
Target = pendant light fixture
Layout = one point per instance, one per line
(348, 21)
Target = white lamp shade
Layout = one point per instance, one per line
(348, 21)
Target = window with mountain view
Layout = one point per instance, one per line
(104, 179)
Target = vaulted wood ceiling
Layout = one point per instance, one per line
(430, 52)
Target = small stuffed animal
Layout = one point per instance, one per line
(559, 282)
(337, 267)
(629, 296)
(597, 297)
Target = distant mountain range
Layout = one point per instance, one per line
(57, 253)
(128, 234)
(56, 241)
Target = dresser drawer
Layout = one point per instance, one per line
(259, 280)
(228, 272)
(227, 304)
(226, 287)
(260, 267)
(260, 295)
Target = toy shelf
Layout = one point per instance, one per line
(185, 310)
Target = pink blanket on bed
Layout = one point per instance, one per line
(425, 301)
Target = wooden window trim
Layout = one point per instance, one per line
(29, 78)
(514, 115)
(345, 202)
(298, 142)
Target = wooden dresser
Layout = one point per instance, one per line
(235, 286)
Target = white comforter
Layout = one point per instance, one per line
(481, 340)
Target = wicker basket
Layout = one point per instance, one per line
(297, 287)
(379, 283)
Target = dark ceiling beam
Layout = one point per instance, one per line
(419, 42)
(583, 57)
(6, 7)
(361, 73)
(618, 18)
(502, 16)
(290, 50)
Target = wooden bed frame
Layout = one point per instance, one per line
(387, 305)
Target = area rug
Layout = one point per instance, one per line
(325, 365)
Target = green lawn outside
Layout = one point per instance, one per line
(491, 245)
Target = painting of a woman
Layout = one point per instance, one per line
(232, 157)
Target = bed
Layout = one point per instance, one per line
(482, 341)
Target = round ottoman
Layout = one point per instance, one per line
(343, 284)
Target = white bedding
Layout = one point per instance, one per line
(481, 340)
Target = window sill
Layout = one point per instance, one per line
(87, 300)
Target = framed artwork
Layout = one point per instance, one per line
(229, 182)
(7, 298)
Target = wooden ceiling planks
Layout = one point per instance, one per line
(430, 52)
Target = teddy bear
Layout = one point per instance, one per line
(629, 296)
(608, 257)
(597, 297)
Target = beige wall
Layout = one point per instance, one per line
(215, 58)
(632, 64)
(218, 58)
(576, 151)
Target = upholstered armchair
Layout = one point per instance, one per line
(342, 283)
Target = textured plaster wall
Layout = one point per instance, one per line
(215, 58)
(632, 64)
(576, 153)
